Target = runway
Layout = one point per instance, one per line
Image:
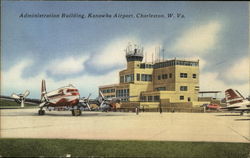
(212, 127)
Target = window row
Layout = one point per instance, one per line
(182, 98)
(150, 98)
(139, 77)
(108, 90)
(164, 76)
(185, 75)
(175, 62)
(146, 77)
(127, 78)
(122, 93)
(144, 66)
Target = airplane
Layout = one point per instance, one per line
(236, 102)
(107, 104)
(211, 106)
(64, 98)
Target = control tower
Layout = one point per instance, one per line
(134, 53)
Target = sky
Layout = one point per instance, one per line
(89, 52)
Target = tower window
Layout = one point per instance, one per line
(194, 75)
(159, 77)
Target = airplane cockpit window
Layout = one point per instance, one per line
(60, 91)
(72, 90)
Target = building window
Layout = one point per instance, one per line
(143, 98)
(183, 88)
(194, 75)
(108, 91)
(189, 99)
(183, 75)
(159, 77)
(150, 98)
(121, 79)
(164, 76)
(157, 98)
(143, 77)
(170, 75)
(122, 93)
(146, 77)
(129, 78)
(149, 77)
(161, 88)
(138, 77)
(182, 97)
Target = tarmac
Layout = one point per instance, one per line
(201, 127)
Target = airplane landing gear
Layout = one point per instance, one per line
(76, 112)
(41, 112)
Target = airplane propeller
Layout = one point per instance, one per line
(20, 97)
(86, 101)
(102, 99)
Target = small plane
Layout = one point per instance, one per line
(64, 98)
(211, 106)
(107, 104)
(236, 102)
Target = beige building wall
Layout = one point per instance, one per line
(191, 83)
(168, 82)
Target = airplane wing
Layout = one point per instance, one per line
(230, 107)
(27, 100)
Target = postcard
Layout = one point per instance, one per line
(125, 71)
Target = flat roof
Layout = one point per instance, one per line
(209, 91)
(110, 85)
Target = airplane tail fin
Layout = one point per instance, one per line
(233, 96)
(43, 89)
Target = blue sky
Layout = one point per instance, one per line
(89, 52)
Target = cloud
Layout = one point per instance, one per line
(211, 81)
(198, 40)
(12, 81)
(67, 66)
(239, 71)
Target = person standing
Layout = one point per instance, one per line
(137, 110)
